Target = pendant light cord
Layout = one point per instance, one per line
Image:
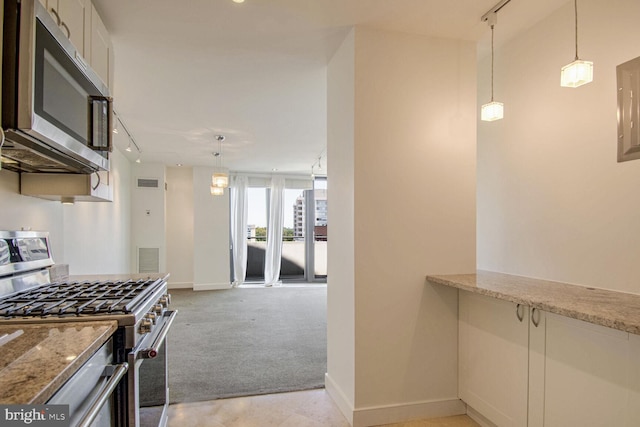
(575, 4)
(491, 63)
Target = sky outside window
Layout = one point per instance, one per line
(257, 214)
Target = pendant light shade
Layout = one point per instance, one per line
(217, 191)
(493, 110)
(578, 72)
(220, 179)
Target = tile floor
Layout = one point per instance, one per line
(311, 408)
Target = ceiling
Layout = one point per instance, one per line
(256, 72)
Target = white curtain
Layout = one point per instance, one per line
(274, 232)
(239, 202)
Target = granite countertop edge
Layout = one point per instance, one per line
(34, 379)
(613, 309)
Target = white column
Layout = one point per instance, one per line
(401, 199)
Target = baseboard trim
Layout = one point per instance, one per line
(479, 418)
(389, 414)
(180, 285)
(338, 396)
(211, 286)
(402, 412)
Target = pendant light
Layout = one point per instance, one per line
(219, 179)
(217, 191)
(493, 110)
(578, 72)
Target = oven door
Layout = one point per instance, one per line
(148, 388)
(89, 392)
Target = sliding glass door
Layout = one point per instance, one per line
(292, 267)
(258, 201)
(304, 234)
(320, 225)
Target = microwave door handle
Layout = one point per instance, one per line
(101, 118)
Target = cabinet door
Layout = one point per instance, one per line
(588, 375)
(493, 358)
(72, 16)
(100, 47)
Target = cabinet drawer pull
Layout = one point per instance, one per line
(519, 312)
(63, 25)
(533, 317)
(55, 15)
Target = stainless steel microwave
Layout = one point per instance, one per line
(56, 111)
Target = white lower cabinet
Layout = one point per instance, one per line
(582, 374)
(561, 373)
(493, 358)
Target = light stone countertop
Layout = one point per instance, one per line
(617, 310)
(39, 359)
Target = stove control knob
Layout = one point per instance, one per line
(145, 326)
(158, 309)
(165, 300)
(151, 316)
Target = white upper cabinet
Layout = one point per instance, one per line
(101, 52)
(80, 21)
(72, 17)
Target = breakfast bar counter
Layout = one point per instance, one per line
(617, 310)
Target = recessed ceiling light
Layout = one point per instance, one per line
(178, 164)
(274, 169)
(238, 1)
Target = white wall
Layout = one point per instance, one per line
(93, 238)
(96, 235)
(552, 200)
(211, 234)
(180, 231)
(189, 225)
(414, 189)
(148, 215)
(18, 212)
(340, 245)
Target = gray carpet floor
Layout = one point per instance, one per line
(246, 341)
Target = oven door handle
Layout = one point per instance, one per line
(105, 393)
(152, 352)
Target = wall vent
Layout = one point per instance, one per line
(148, 260)
(148, 183)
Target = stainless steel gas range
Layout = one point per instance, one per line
(139, 304)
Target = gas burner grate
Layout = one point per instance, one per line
(77, 298)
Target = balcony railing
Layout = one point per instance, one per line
(293, 257)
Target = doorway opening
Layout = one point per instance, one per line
(304, 234)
